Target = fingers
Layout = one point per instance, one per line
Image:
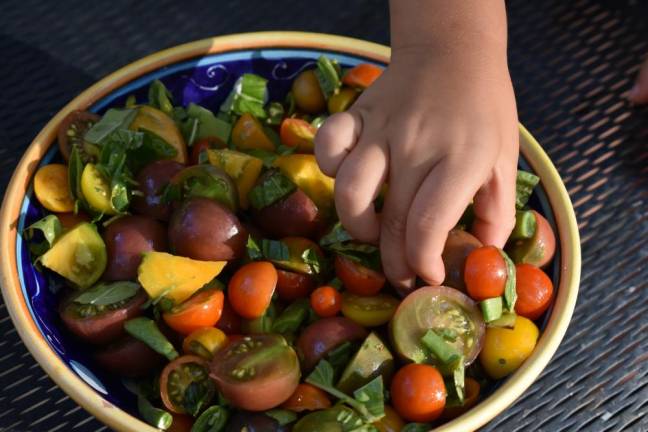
(639, 93)
(335, 139)
(357, 185)
(437, 207)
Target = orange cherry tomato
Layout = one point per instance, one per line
(291, 285)
(204, 144)
(204, 342)
(358, 279)
(472, 389)
(248, 134)
(203, 309)
(307, 398)
(534, 291)
(485, 273)
(307, 93)
(326, 301)
(250, 289)
(362, 76)
(418, 393)
(297, 133)
(178, 375)
(391, 422)
(230, 322)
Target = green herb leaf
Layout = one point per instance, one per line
(337, 235)
(159, 97)
(201, 123)
(458, 380)
(372, 396)
(111, 121)
(447, 333)
(106, 293)
(364, 254)
(154, 416)
(328, 76)
(75, 169)
(292, 317)
(271, 250)
(152, 148)
(50, 226)
(283, 416)
(267, 157)
(340, 356)
(290, 104)
(196, 396)
(510, 294)
(524, 185)
(272, 187)
(313, 260)
(507, 320)
(443, 352)
(262, 324)
(525, 225)
(491, 309)
(147, 331)
(275, 113)
(318, 121)
(213, 419)
(247, 96)
(417, 427)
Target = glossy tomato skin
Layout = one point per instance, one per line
(128, 357)
(250, 289)
(307, 93)
(294, 215)
(323, 335)
(292, 286)
(205, 230)
(538, 250)
(307, 397)
(358, 279)
(126, 240)
(203, 309)
(457, 248)
(71, 132)
(178, 375)
(369, 311)
(230, 322)
(326, 301)
(485, 273)
(256, 372)
(253, 422)
(104, 327)
(418, 393)
(152, 180)
(534, 291)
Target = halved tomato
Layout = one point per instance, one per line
(307, 397)
(358, 279)
(323, 335)
(203, 309)
(178, 376)
(71, 133)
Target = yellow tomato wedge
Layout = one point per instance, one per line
(52, 188)
(303, 170)
(156, 121)
(248, 134)
(96, 190)
(243, 168)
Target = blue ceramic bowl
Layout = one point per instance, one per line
(203, 73)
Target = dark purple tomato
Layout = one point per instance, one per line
(295, 215)
(152, 180)
(203, 229)
(128, 357)
(101, 324)
(322, 336)
(126, 239)
(253, 422)
(458, 245)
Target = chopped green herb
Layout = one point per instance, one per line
(337, 234)
(313, 260)
(491, 309)
(525, 225)
(113, 120)
(147, 331)
(318, 121)
(524, 188)
(159, 97)
(372, 395)
(275, 113)
(50, 226)
(340, 356)
(248, 95)
(328, 76)
(507, 320)
(267, 157)
(213, 419)
(417, 427)
(444, 353)
(292, 317)
(510, 294)
(271, 188)
(154, 416)
(364, 254)
(106, 293)
(271, 250)
(202, 123)
(283, 416)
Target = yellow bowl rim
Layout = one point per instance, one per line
(118, 419)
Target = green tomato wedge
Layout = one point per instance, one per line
(336, 419)
(372, 359)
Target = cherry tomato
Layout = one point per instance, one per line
(52, 189)
(291, 285)
(70, 220)
(178, 375)
(471, 396)
(248, 134)
(230, 322)
(297, 133)
(153, 180)
(203, 309)
(128, 357)
(358, 279)
(457, 247)
(181, 423)
(204, 342)
(369, 311)
(485, 273)
(324, 335)
(101, 324)
(257, 372)
(534, 291)
(307, 398)
(362, 75)
(307, 93)
(71, 133)
(418, 393)
(391, 422)
(250, 289)
(506, 349)
(539, 249)
(204, 144)
(326, 301)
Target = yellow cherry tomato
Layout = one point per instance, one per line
(156, 121)
(303, 170)
(506, 349)
(369, 311)
(391, 422)
(96, 190)
(52, 188)
(204, 342)
(342, 100)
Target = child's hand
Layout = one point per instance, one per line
(440, 127)
(639, 93)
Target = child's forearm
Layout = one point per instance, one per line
(474, 29)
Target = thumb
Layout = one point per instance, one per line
(639, 93)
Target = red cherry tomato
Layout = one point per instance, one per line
(230, 322)
(358, 279)
(534, 291)
(307, 398)
(418, 393)
(326, 301)
(291, 285)
(178, 375)
(485, 273)
(250, 289)
(203, 309)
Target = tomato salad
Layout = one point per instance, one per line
(204, 265)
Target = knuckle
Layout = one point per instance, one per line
(393, 226)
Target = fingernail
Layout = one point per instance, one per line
(634, 92)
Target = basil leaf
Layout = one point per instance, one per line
(313, 260)
(363, 254)
(159, 97)
(510, 294)
(318, 121)
(247, 96)
(202, 123)
(50, 226)
(196, 396)
(267, 157)
(525, 225)
(322, 375)
(524, 185)
(337, 235)
(213, 419)
(271, 250)
(283, 416)
(105, 293)
(75, 170)
(372, 396)
(292, 317)
(417, 427)
(262, 324)
(151, 149)
(147, 331)
(111, 121)
(445, 354)
(272, 187)
(275, 113)
(340, 356)
(328, 76)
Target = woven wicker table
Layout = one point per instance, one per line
(572, 64)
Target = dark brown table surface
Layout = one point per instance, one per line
(572, 64)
